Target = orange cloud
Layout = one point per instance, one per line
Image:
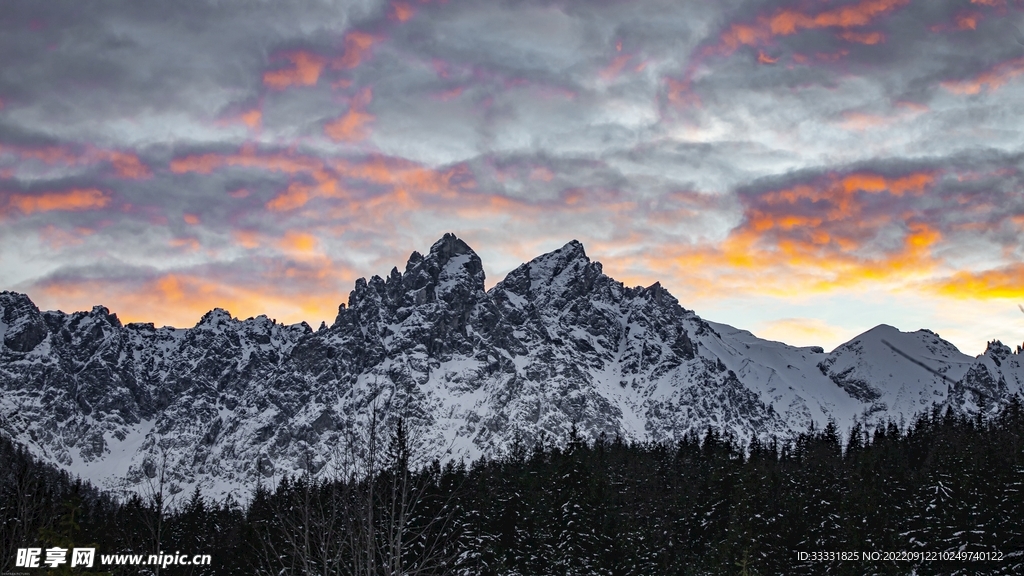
(789, 21)
(247, 157)
(125, 164)
(858, 121)
(615, 67)
(181, 299)
(679, 93)
(190, 244)
(253, 118)
(1005, 282)
(990, 80)
(913, 107)
(786, 22)
(859, 14)
(296, 196)
(315, 289)
(199, 164)
(246, 238)
(820, 236)
(896, 186)
(353, 125)
(543, 174)
(403, 180)
(401, 11)
(49, 155)
(305, 71)
(802, 331)
(837, 196)
(191, 219)
(73, 200)
(357, 46)
(862, 38)
(59, 238)
(299, 242)
(748, 261)
(967, 21)
(831, 56)
(404, 174)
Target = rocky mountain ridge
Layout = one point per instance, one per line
(230, 402)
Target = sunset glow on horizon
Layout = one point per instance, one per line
(804, 171)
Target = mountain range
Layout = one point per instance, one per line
(230, 403)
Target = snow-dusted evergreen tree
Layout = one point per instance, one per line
(576, 507)
(702, 505)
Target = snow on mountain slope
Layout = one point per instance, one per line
(556, 342)
(786, 377)
(990, 380)
(895, 373)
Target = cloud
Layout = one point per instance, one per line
(246, 288)
(354, 124)
(304, 71)
(1003, 282)
(744, 148)
(860, 227)
(789, 21)
(299, 243)
(124, 165)
(252, 118)
(804, 332)
(989, 80)
(870, 38)
(402, 11)
(72, 200)
(357, 46)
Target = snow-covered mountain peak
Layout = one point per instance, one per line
(22, 327)
(660, 295)
(449, 246)
(104, 312)
(451, 272)
(455, 269)
(555, 342)
(898, 373)
(559, 274)
(215, 319)
(997, 351)
(16, 299)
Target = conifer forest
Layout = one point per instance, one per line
(939, 491)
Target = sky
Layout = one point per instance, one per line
(804, 170)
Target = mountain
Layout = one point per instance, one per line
(229, 403)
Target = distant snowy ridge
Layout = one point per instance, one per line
(228, 402)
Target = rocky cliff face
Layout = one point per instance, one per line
(228, 402)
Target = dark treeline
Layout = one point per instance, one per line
(704, 505)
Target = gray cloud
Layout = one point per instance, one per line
(634, 125)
